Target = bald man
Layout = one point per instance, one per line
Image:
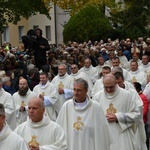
(21, 99)
(39, 131)
(121, 112)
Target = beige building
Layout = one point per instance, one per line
(52, 29)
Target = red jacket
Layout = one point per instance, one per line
(145, 107)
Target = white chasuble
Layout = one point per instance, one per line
(50, 91)
(127, 113)
(22, 100)
(46, 133)
(86, 128)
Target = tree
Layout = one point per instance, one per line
(132, 19)
(89, 23)
(11, 11)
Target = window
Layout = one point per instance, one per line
(20, 32)
(48, 32)
(6, 34)
(35, 27)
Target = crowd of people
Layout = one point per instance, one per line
(85, 96)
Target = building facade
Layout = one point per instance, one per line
(52, 29)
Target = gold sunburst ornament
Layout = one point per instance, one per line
(60, 85)
(23, 104)
(79, 124)
(111, 109)
(33, 142)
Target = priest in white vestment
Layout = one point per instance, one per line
(123, 59)
(145, 66)
(21, 99)
(99, 83)
(48, 92)
(101, 64)
(75, 74)
(90, 70)
(116, 63)
(8, 139)
(140, 134)
(84, 122)
(136, 75)
(39, 131)
(121, 112)
(64, 84)
(6, 100)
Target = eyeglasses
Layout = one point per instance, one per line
(73, 68)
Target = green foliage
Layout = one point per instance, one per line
(133, 20)
(11, 11)
(89, 23)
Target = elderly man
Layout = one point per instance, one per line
(121, 113)
(83, 121)
(64, 84)
(90, 70)
(39, 131)
(21, 99)
(48, 92)
(9, 139)
(6, 100)
(136, 75)
(75, 74)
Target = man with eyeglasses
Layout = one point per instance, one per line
(121, 112)
(8, 139)
(75, 74)
(83, 121)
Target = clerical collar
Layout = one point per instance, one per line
(80, 105)
(135, 72)
(75, 74)
(87, 69)
(62, 77)
(112, 95)
(146, 65)
(44, 85)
